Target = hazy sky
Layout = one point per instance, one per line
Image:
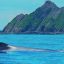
(10, 8)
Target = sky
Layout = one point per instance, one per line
(11, 8)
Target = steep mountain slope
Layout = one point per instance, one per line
(46, 19)
(9, 28)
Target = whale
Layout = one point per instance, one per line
(6, 48)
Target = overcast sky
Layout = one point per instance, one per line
(10, 8)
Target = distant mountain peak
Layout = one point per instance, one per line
(49, 3)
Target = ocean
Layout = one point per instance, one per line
(52, 42)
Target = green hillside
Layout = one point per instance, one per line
(46, 19)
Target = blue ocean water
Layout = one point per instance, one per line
(53, 42)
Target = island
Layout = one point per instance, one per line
(46, 19)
